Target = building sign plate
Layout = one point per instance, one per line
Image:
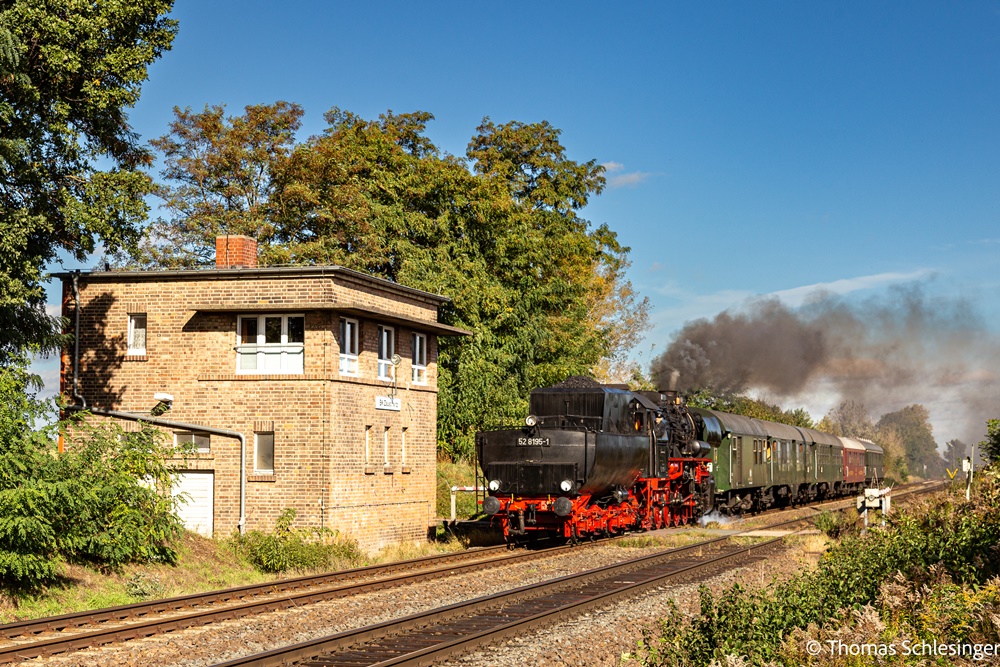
(387, 403)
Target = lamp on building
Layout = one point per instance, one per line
(164, 402)
(396, 360)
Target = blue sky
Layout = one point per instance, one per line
(752, 148)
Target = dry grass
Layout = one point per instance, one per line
(646, 541)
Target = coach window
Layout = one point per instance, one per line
(419, 359)
(263, 457)
(270, 344)
(386, 348)
(348, 346)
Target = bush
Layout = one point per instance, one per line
(105, 501)
(959, 540)
(296, 549)
(144, 586)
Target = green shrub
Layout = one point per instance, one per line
(287, 549)
(105, 501)
(958, 539)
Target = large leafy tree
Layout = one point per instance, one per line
(955, 451)
(70, 164)
(757, 408)
(498, 232)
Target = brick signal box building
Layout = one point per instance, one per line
(330, 376)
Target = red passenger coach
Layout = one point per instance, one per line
(854, 463)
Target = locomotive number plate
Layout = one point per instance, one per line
(533, 442)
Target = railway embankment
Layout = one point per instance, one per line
(923, 589)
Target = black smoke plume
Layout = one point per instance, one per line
(887, 352)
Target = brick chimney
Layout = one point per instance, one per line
(235, 252)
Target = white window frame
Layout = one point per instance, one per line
(193, 436)
(256, 452)
(290, 356)
(419, 358)
(132, 321)
(347, 339)
(386, 348)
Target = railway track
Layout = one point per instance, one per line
(425, 638)
(88, 629)
(430, 637)
(72, 632)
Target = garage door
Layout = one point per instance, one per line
(197, 506)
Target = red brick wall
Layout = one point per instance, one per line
(235, 251)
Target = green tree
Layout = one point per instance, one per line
(70, 164)
(852, 420)
(757, 408)
(220, 178)
(497, 231)
(990, 447)
(913, 427)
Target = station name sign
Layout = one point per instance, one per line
(387, 403)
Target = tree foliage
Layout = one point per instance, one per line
(851, 419)
(955, 451)
(543, 292)
(912, 425)
(757, 408)
(70, 164)
(105, 501)
(991, 445)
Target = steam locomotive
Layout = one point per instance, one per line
(595, 459)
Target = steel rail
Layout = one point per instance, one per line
(25, 650)
(139, 609)
(21, 651)
(437, 633)
(315, 650)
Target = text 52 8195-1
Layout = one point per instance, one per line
(533, 442)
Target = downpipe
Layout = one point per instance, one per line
(184, 426)
(80, 405)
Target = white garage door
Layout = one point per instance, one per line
(197, 505)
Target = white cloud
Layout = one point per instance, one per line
(626, 180)
(796, 296)
(623, 180)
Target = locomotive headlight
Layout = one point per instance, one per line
(566, 485)
(530, 421)
(494, 485)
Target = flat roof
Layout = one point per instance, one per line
(258, 272)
